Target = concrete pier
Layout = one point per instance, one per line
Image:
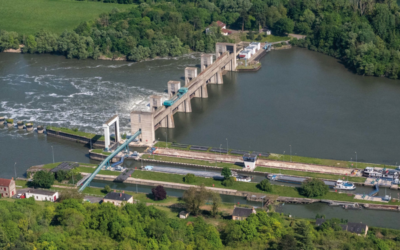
(20, 124)
(29, 126)
(39, 129)
(10, 123)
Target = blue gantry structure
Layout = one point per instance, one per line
(175, 98)
(106, 162)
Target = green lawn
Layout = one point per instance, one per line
(300, 159)
(77, 132)
(30, 16)
(191, 161)
(100, 151)
(51, 165)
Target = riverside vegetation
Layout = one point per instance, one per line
(71, 224)
(364, 34)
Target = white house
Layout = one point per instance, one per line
(245, 54)
(118, 198)
(252, 48)
(220, 24)
(256, 44)
(42, 195)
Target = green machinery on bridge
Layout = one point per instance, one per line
(106, 162)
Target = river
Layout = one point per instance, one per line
(299, 98)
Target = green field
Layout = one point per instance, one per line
(76, 132)
(30, 16)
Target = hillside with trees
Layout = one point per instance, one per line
(71, 224)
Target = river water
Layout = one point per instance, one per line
(298, 98)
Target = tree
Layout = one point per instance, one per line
(228, 182)
(189, 178)
(284, 25)
(216, 202)
(43, 179)
(314, 187)
(70, 194)
(265, 185)
(195, 197)
(106, 189)
(288, 242)
(243, 7)
(159, 193)
(226, 172)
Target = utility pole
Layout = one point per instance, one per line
(15, 171)
(53, 152)
(227, 147)
(356, 159)
(290, 153)
(166, 140)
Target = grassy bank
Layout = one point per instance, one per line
(295, 158)
(243, 186)
(191, 161)
(29, 17)
(100, 151)
(76, 132)
(249, 66)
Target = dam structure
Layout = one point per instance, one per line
(161, 113)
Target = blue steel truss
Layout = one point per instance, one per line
(106, 162)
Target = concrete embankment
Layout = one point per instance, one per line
(101, 157)
(260, 162)
(80, 139)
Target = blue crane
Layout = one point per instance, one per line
(106, 162)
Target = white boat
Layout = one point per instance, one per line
(243, 178)
(344, 185)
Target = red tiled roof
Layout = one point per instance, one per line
(226, 31)
(5, 182)
(220, 24)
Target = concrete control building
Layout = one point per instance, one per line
(7, 187)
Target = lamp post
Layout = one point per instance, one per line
(15, 170)
(227, 146)
(290, 153)
(220, 148)
(356, 159)
(52, 150)
(166, 140)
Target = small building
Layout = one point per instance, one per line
(220, 24)
(256, 44)
(118, 198)
(266, 31)
(7, 187)
(250, 161)
(241, 213)
(41, 195)
(253, 49)
(245, 54)
(352, 227)
(183, 214)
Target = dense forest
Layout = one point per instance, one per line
(26, 224)
(364, 34)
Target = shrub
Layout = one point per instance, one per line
(189, 178)
(159, 193)
(228, 182)
(277, 45)
(283, 43)
(265, 185)
(314, 187)
(43, 179)
(10, 120)
(106, 189)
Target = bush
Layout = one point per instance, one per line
(10, 120)
(265, 185)
(314, 187)
(159, 193)
(283, 43)
(189, 178)
(106, 189)
(259, 38)
(228, 182)
(277, 45)
(43, 179)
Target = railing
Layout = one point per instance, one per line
(109, 158)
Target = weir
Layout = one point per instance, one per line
(106, 162)
(179, 97)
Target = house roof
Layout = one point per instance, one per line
(183, 213)
(242, 212)
(40, 191)
(5, 182)
(358, 228)
(117, 196)
(220, 24)
(226, 31)
(319, 222)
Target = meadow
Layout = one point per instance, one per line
(29, 17)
